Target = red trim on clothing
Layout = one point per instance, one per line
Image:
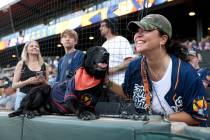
(146, 83)
(69, 95)
(60, 106)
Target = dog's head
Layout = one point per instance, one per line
(96, 61)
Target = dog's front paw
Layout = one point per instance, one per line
(29, 114)
(15, 113)
(87, 115)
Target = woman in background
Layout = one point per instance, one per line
(31, 71)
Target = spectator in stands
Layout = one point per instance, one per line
(120, 53)
(160, 82)
(204, 73)
(72, 60)
(204, 44)
(7, 100)
(55, 62)
(30, 71)
(194, 45)
(207, 45)
(119, 48)
(193, 59)
(1, 92)
(52, 74)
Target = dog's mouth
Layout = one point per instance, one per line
(102, 66)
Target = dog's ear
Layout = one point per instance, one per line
(88, 52)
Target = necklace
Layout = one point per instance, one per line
(154, 76)
(164, 62)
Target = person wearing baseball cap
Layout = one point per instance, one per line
(193, 59)
(5, 82)
(160, 81)
(7, 100)
(203, 72)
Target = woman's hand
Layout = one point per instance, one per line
(107, 82)
(183, 117)
(113, 70)
(43, 79)
(36, 80)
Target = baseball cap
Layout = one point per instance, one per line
(192, 53)
(152, 22)
(5, 82)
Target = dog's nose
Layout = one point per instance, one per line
(105, 53)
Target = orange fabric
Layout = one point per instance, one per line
(84, 81)
(146, 84)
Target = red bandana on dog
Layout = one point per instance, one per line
(84, 81)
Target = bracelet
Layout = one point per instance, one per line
(166, 118)
(118, 69)
(110, 84)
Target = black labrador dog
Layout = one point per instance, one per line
(77, 95)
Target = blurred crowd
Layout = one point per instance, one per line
(195, 58)
(204, 44)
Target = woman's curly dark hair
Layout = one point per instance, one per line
(175, 48)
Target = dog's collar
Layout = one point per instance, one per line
(84, 81)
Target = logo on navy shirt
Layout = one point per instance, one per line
(86, 99)
(139, 97)
(178, 104)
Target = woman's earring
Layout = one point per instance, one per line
(160, 47)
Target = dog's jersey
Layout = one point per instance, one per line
(82, 87)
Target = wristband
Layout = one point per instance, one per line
(166, 118)
(110, 84)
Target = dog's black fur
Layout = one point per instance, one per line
(39, 100)
(34, 102)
